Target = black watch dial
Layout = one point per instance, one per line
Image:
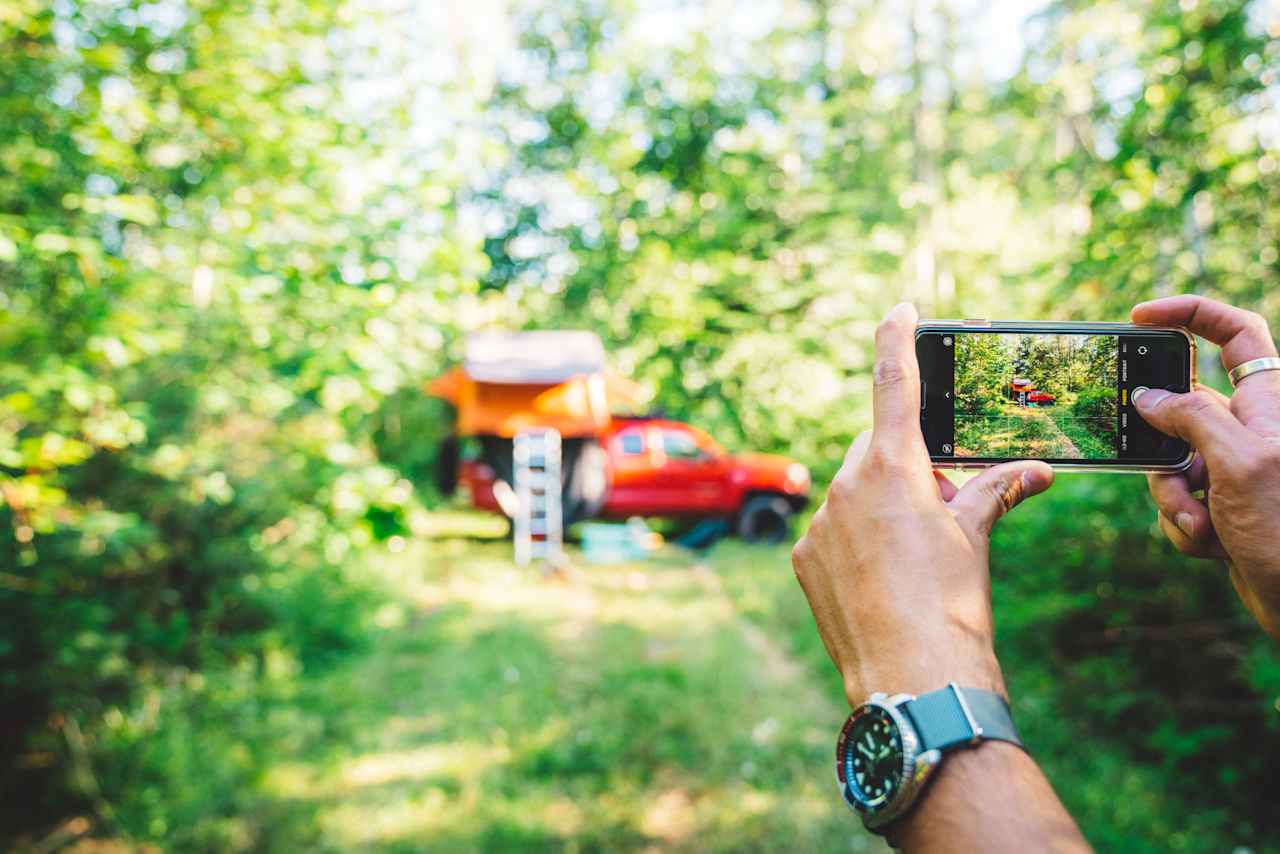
(871, 758)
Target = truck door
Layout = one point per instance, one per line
(635, 453)
(692, 478)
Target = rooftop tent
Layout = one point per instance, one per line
(509, 381)
(521, 358)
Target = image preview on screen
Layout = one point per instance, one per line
(1050, 396)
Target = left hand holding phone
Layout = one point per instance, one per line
(1238, 467)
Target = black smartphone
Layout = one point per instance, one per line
(993, 391)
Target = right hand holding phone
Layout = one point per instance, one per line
(1238, 466)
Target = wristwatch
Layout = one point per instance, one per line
(890, 746)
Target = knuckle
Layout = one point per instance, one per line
(1194, 404)
(883, 464)
(841, 491)
(1007, 491)
(1255, 464)
(1257, 323)
(800, 553)
(889, 371)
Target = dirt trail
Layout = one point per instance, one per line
(630, 707)
(1020, 431)
(1059, 441)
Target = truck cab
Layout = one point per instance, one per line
(666, 468)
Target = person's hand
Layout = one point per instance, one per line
(1238, 467)
(894, 564)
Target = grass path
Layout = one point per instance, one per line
(1022, 431)
(639, 707)
(1059, 441)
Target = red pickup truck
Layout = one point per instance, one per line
(1024, 393)
(660, 467)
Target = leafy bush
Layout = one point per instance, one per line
(1097, 403)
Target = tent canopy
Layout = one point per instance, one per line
(510, 381)
(532, 357)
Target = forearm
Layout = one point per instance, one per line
(992, 798)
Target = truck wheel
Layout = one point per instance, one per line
(448, 456)
(765, 519)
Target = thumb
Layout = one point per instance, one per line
(982, 501)
(1197, 416)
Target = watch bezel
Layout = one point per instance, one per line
(916, 765)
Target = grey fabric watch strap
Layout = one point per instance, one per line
(955, 715)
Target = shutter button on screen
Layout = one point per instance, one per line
(1133, 397)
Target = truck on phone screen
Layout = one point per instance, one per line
(1024, 393)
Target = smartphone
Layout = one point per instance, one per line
(993, 391)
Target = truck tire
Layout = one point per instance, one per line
(584, 473)
(448, 457)
(765, 519)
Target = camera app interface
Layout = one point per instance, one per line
(1049, 396)
(1046, 396)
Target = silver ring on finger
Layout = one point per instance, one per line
(1253, 366)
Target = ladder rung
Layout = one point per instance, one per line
(539, 525)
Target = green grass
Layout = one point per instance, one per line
(1090, 444)
(1016, 432)
(617, 708)
(668, 705)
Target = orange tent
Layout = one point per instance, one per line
(513, 381)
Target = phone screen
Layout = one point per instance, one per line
(1058, 396)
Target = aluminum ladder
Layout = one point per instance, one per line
(539, 520)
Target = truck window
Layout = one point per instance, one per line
(680, 446)
(632, 443)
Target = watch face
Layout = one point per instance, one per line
(872, 758)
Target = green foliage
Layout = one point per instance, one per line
(191, 344)
(982, 375)
(1111, 640)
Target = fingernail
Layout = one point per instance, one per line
(1147, 398)
(1186, 524)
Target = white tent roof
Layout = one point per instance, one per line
(532, 357)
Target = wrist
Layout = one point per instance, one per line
(918, 668)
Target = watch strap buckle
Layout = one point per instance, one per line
(974, 727)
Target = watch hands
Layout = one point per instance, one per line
(865, 752)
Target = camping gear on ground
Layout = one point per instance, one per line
(610, 542)
(705, 534)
